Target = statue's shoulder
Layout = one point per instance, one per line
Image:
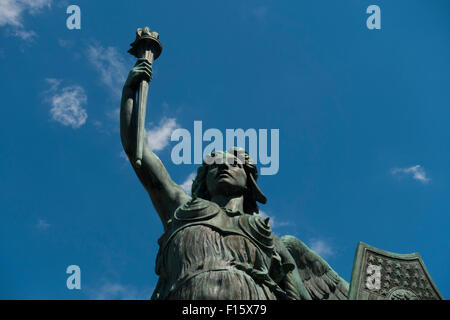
(196, 209)
(258, 229)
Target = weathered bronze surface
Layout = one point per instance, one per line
(382, 275)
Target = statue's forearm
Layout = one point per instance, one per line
(127, 123)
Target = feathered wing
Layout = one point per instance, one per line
(317, 277)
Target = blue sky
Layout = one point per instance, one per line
(363, 118)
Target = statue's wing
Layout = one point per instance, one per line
(321, 282)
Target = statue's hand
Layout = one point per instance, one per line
(141, 71)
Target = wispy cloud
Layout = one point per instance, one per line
(114, 114)
(66, 104)
(417, 173)
(123, 155)
(117, 291)
(111, 66)
(159, 137)
(321, 247)
(12, 15)
(66, 43)
(274, 223)
(42, 225)
(187, 185)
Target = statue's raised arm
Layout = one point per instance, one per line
(165, 194)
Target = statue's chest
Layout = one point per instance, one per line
(188, 218)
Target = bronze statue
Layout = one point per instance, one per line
(213, 245)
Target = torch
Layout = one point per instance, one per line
(146, 46)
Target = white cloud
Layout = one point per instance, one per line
(117, 291)
(187, 185)
(66, 104)
(25, 35)
(12, 12)
(417, 172)
(42, 224)
(322, 248)
(274, 223)
(111, 65)
(159, 137)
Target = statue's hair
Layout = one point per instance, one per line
(252, 193)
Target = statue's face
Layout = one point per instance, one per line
(226, 177)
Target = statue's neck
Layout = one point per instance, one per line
(233, 203)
